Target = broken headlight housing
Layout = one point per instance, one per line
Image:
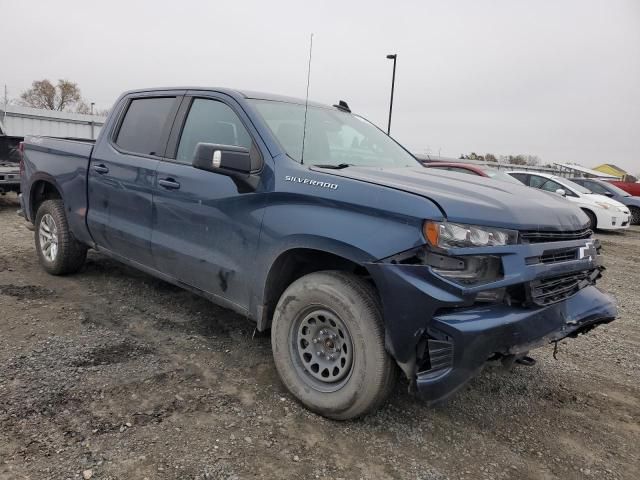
(445, 235)
(466, 270)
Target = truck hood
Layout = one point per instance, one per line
(472, 199)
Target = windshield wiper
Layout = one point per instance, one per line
(339, 166)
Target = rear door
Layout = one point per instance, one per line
(122, 175)
(205, 228)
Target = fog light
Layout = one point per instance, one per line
(467, 269)
(491, 296)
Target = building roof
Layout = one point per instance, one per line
(611, 168)
(615, 167)
(584, 170)
(20, 111)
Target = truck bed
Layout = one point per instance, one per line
(64, 162)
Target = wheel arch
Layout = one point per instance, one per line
(590, 213)
(299, 260)
(43, 188)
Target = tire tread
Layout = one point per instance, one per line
(71, 253)
(381, 370)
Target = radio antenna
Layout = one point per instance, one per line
(306, 101)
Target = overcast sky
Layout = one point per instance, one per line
(559, 79)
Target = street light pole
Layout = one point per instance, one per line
(393, 57)
(93, 135)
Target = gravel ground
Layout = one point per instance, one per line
(110, 373)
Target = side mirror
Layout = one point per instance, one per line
(608, 194)
(239, 163)
(561, 191)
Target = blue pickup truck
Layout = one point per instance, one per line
(312, 222)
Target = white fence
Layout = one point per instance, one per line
(21, 121)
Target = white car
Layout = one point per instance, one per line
(603, 212)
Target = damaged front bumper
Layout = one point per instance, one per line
(441, 336)
(459, 343)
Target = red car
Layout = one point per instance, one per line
(631, 188)
(480, 170)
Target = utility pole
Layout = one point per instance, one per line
(6, 102)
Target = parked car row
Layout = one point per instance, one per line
(607, 206)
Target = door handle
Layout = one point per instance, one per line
(169, 183)
(101, 169)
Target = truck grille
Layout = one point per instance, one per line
(534, 236)
(554, 256)
(555, 289)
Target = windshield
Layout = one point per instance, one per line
(333, 138)
(498, 175)
(572, 185)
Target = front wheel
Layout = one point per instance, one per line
(328, 345)
(57, 248)
(635, 216)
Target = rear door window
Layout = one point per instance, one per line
(145, 125)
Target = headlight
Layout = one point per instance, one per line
(603, 205)
(455, 235)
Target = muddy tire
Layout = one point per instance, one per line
(635, 216)
(59, 252)
(593, 221)
(327, 338)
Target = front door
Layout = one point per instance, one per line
(206, 230)
(122, 175)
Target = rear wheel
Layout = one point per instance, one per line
(328, 345)
(635, 216)
(59, 252)
(593, 221)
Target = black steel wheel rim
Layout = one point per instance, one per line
(321, 349)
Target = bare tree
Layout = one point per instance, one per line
(532, 160)
(43, 94)
(82, 107)
(512, 159)
(516, 159)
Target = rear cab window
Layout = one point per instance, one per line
(144, 127)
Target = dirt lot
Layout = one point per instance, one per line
(118, 375)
